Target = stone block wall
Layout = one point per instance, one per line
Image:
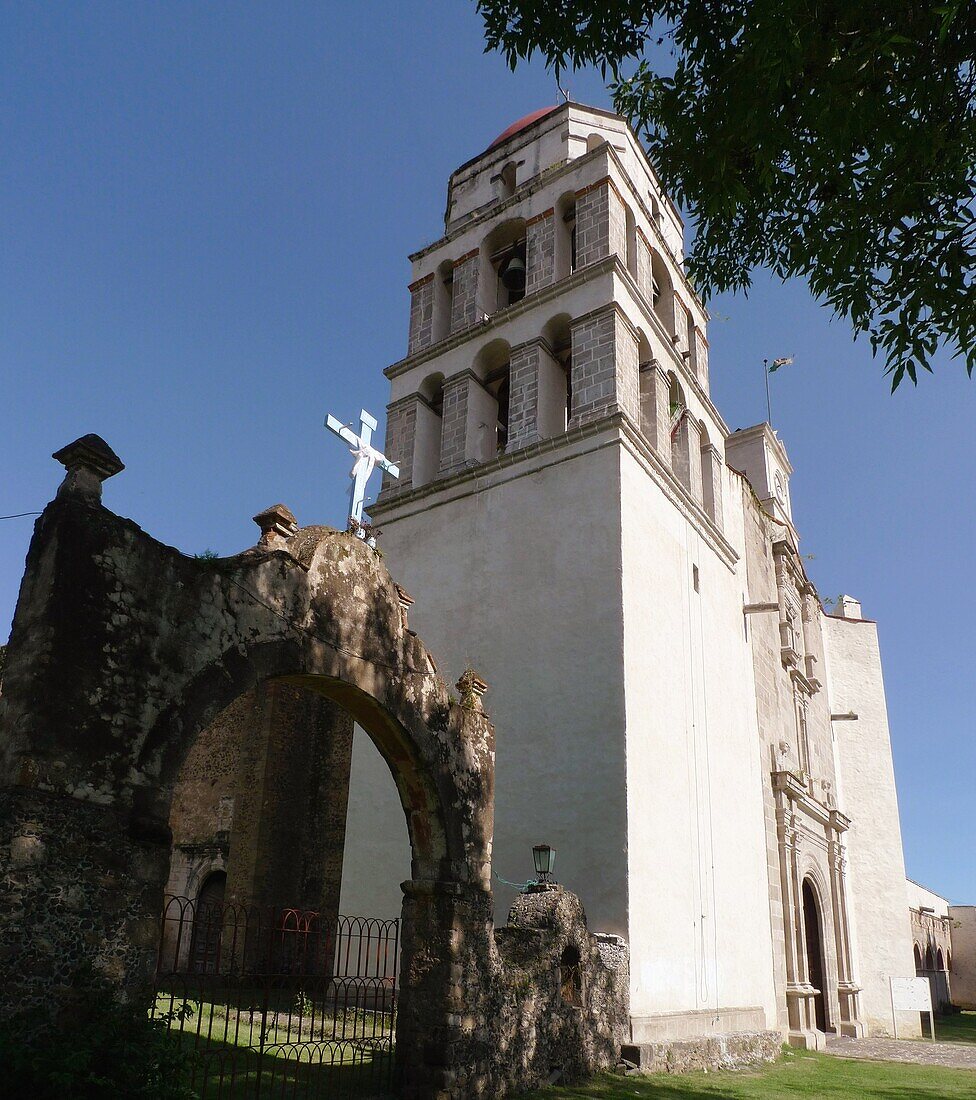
(605, 368)
(686, 455)
(537, 402)
(401, 433)
(421, 314)
(540, 251)
(454, 421)
(601, 223)
(464, 303)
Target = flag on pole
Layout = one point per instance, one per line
(777, 363)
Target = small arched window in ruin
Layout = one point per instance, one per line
(208, 919)
(929, 959)
(939, 960)
(571, 977)
(918, 960)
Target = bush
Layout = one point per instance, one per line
(100, 1048)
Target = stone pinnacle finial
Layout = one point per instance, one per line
(472, 689)
(89, 461)
(277, 524)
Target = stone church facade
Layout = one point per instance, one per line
(676, 713)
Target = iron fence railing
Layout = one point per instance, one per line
(274, 1002)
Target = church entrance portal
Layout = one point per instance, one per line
(816, 967)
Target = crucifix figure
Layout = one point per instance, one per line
(367, 459)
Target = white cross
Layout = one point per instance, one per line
(367, 459)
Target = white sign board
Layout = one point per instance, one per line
(911, 995)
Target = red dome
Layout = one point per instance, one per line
(522, 124)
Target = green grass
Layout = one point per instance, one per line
(958, 1028)
(797, 1074)
(239, 1054)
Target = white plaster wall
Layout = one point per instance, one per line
(699, 911)
(376, 858)
(881, 930)
(962, 980)
(919, 896)
(521, 577)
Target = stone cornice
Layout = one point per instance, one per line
(606, 431)
(792, 786)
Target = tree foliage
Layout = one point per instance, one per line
(833, 140)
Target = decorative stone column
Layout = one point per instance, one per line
(605, 367)
(848, 990)
(421, 314)
(800, 994)
(686, 455)
(540, 251)
(537, 395)
(464, 303)
(711, 460)
(655, 416)
(601, 223)
(468, 415)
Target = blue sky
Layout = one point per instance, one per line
(206, 213)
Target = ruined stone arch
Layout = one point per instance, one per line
(123, 650)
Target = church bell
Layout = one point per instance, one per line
(513, 274)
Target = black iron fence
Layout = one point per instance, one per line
(270, 1003)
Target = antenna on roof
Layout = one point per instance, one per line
(564, 92)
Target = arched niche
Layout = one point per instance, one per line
(503, 271)
(493, 366)
(428, 430)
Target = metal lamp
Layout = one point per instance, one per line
(544, 858)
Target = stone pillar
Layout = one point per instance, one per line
(467, 422)
(537, 401)
(401, 438)
(645, 280)
(605, 368)
(700, 357)
(680, 338)
(540, 251)
(686, 455)
(711, 461)
(442, 1044)
(847, 988)
(601, 223)
(421, 314)
(655, 413)
(464, 303)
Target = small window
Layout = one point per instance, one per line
(571, 977)
(694, 578)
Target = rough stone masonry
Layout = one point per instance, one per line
(124, 650)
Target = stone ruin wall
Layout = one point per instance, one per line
(124, 650)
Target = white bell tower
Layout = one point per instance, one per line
(561, 519)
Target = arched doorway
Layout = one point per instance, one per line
(816, 961)
(205, 944)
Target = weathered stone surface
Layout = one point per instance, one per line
(124, 656)
(707, 1052)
